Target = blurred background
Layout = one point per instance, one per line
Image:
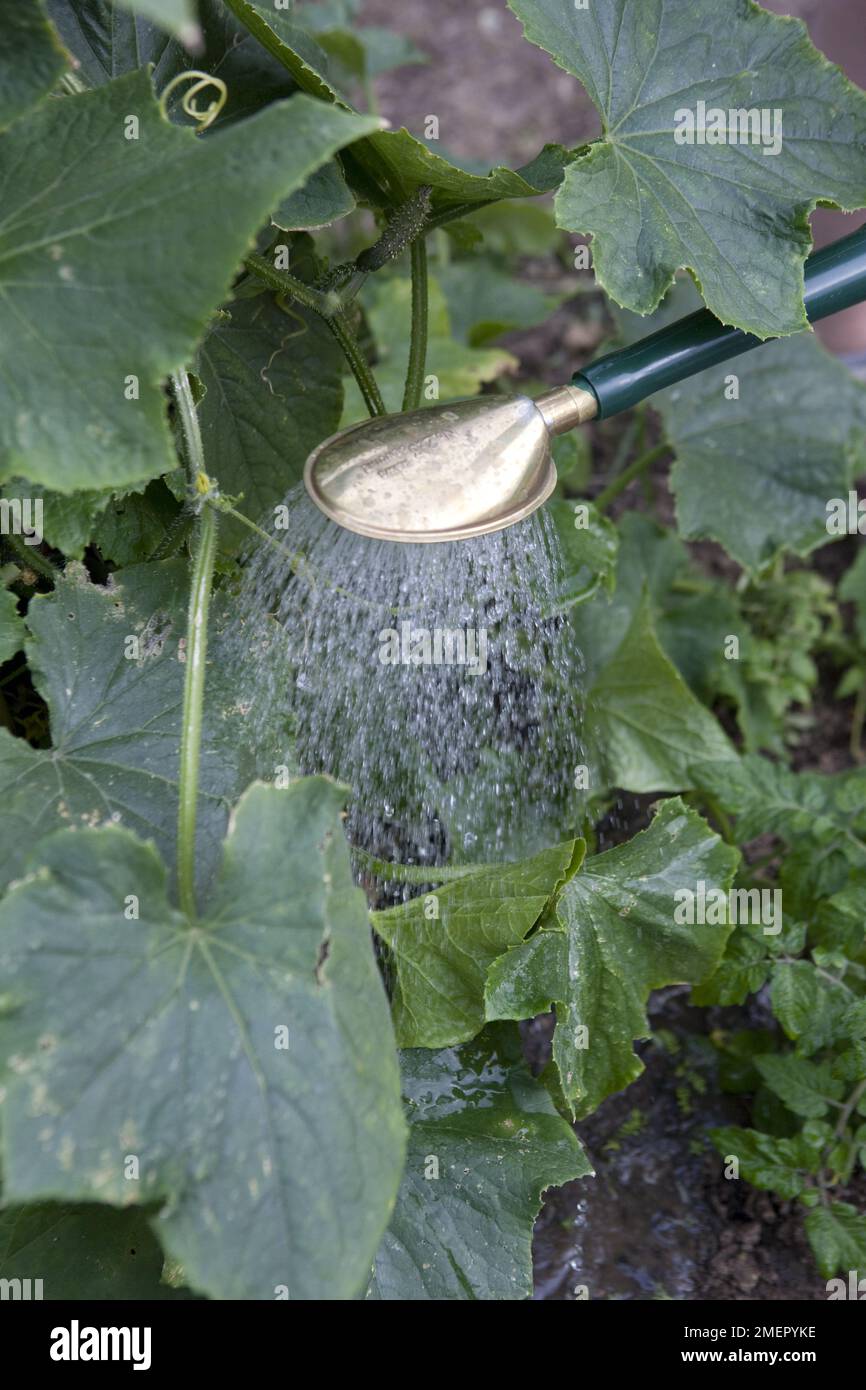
(499, 99)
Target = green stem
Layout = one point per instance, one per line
(196, 651)
(358, 363)
(193, 448)
(285, 283)
(294, 558)
(634, 470)
(30, 557)
(327, 307)
(418, 343)
(193, 707)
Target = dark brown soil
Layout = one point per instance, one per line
(498, 99)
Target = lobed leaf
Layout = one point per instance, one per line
(441, 960)
(756, 473)
(492, 1138)
(201, 1050)
(115, 720)
(643, 723)
(84, 221)
(611, 937)
(273, 390)
(735, 216)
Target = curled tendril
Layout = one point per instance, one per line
(200, 80)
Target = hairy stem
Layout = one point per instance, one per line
(29, 557)
(196, 650)
(634, 470)
(361, 369)
(418, 342)
(285, 283)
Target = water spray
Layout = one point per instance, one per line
(438, 679)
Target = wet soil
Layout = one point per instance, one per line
(659, 1220)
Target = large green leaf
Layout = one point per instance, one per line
(443, 943)
(273, 391)
(83, 1252)
(246, 1061)
(113, 254)
(611, 938)
(115, 719)
(31, 58)
(692, 622)
(756, 473)
(68, 522)
(394, 159)
(736, 217)
(484, 1143)
(643, 723)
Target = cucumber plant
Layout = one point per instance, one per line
(213, 253)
